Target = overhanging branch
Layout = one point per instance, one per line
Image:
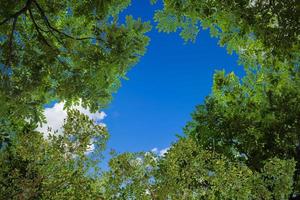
(45, 18)
(37, 28)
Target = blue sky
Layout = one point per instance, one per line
(164, 87)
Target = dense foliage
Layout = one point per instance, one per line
(70, 51)
(272, 24)
(56, 168)
(244, 124)
(243, 142)
(66, 50)
(191, 172)
(252, 121)
(188, 171)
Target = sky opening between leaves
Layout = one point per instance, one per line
(155, 103)
(164, 87)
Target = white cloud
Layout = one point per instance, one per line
(56, 115)
(161, 152)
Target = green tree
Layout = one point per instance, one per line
(58, 167)
(131, 176)
(243, 142)
(64, 50)
(258, 116)
(254, 29)
(189, 171)
(71, 51)
(254, 120)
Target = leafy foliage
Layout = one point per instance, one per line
(33, 167)
(131, 176)
(242, 143)
(253, 122)
(190, 172)
(258, 118)
(66, 50)
(262, 28)
(71, 51)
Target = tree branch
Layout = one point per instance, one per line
(26, 7)
(38, 29)
(42, 12)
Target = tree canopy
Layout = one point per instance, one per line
(55, 168)
(64, 50)
(254, 120)
(243, 141)
(70, 51)
(255, 30)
